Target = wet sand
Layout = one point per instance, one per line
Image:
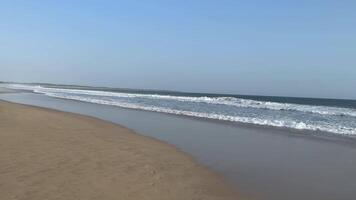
(47, 154)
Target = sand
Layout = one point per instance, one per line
(47, 154)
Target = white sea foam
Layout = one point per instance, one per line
(229, 101)
(251, 120)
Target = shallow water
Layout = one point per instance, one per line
(262, 163)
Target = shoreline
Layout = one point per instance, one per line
(317, 133)
(49, 154)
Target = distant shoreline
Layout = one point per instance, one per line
(49, 154)
(168, 91)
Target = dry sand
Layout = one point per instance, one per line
(46, 154)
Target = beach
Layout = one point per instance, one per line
(258, 162)
(47, 154)
(177, 100)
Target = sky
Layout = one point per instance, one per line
(279, 48)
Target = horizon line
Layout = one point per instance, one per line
(177, 91)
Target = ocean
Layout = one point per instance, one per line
(319, 115)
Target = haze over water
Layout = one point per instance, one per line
(271, 48)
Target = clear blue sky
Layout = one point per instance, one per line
(288, 48)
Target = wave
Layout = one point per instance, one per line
(328, 119)
(229, 101)
(251, 120)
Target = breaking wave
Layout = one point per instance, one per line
(295, 116)
(231, 101)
